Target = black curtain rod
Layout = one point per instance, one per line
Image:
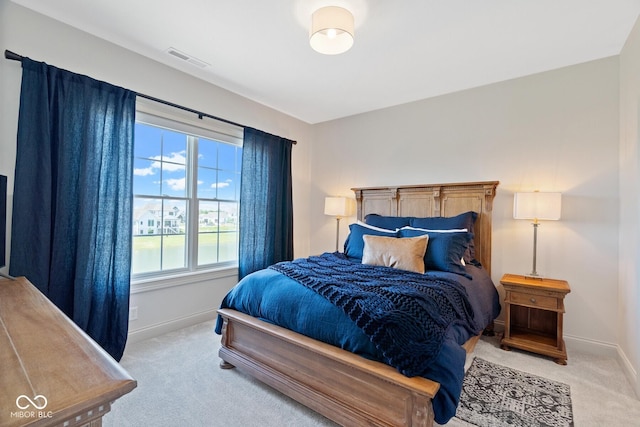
(15, 57)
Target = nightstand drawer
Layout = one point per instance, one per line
(533, 300)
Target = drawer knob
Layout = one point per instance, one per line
(533, 300)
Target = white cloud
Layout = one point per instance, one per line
(178, 160)
(176, 184)
(221, 184)
(173, 163)
(143, 171)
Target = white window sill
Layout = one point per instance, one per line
(155, 283)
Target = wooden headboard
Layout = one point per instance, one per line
(435, 200)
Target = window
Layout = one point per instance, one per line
(186, 188)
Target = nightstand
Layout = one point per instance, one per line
(533, 315)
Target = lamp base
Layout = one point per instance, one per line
(534, 273)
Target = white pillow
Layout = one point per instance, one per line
(373, 227)
(451, 230)
(405, 253)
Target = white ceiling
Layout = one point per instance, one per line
(404, 50)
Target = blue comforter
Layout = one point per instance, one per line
(276, 298)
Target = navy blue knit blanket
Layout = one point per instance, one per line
(406, 315)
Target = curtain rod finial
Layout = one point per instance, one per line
(11, 55)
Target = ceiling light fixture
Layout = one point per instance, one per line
(331, 30)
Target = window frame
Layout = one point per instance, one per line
(160, 115)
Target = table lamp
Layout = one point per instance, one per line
(339, 207)
(536, 206)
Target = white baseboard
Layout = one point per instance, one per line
(630, 373)
(157, 329)
(590, 346)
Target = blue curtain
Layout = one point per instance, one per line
(71, 229)
(266, 204)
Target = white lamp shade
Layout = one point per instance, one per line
(537, 206)
(331, 30)
(338, 206)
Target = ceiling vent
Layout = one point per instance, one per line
(183, 56)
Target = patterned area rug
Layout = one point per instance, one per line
(496, 396)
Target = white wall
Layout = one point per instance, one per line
(628, 320)
(43, 39)
(554, 131)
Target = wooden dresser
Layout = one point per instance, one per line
(51, 372)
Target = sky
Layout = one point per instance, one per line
(160, 161)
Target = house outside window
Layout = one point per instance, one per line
(186, 188)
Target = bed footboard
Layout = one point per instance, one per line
(344, 387)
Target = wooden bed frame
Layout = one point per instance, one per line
(342, 386)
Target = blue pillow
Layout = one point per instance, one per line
(444, 249)
(354, 245)
(388, 222)
(464, 220)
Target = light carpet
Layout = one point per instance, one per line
(180, 384)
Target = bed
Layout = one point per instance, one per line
(348, 385)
